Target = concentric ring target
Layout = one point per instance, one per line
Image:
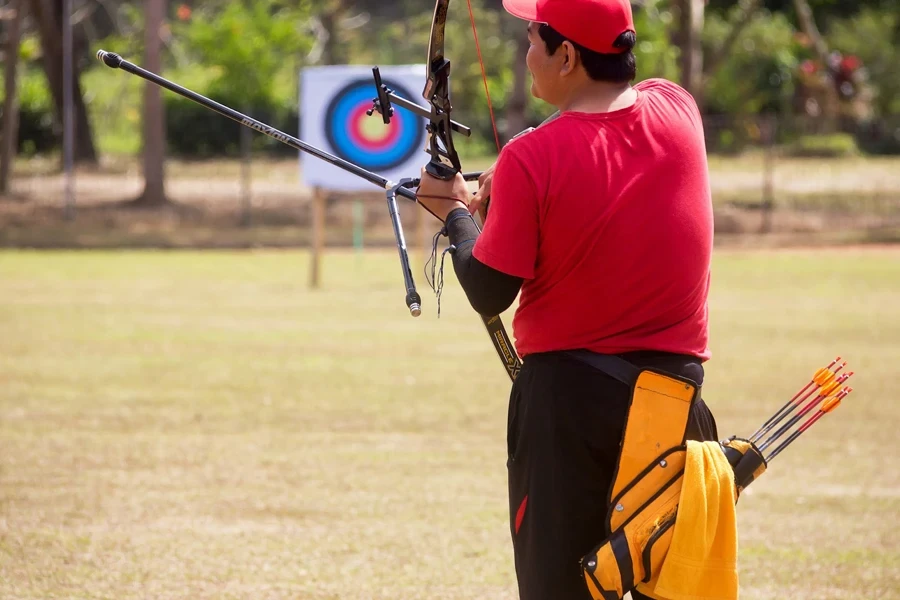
(365, 140)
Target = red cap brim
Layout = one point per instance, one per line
(524, 9)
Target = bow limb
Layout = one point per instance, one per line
(444, 162)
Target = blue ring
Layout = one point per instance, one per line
(337, 127)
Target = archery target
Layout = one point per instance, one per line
(333, 104)
(366, 140)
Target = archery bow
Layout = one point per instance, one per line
(437, 92)
(445, 162)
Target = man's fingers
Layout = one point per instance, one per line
(486, 176)
(475, 202)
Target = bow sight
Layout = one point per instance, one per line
(383, 105)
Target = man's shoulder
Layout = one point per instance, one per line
(535, 138)
(668, 90)
(659, 84)
(522, 146)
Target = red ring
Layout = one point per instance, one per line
(395, 129)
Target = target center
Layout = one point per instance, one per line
(373, 130)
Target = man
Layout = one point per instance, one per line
(602, 219)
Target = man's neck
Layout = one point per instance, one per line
(599, 97)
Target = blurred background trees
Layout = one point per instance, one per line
(832, 66)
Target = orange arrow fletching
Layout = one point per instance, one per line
(830, 404)
(835, 401)
(823, 376)
(831, 387)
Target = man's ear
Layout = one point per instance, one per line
(570, 58)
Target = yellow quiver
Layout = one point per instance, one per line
(649, 480)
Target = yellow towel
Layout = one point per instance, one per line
(702, 561)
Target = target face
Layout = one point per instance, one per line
(367, 141)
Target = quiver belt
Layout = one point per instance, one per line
(646, 488)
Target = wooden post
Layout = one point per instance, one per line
(317, 236)
(769, 125)
(246, 142)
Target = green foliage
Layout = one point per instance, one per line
(38, 131)
(249, 55)
(251, 43)
(824, 146)
(655, 54)
(879, 137)
(757, 75)
(874, 37)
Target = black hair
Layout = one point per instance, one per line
(614, 68)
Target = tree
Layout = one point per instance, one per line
(689, 38)
(46, 14)
(154, 117)
(10, 101)
(745, 12)
(517, 106)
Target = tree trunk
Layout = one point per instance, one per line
(154, 115)
(830, 100)
(808, 25)
(50, 28)
(690, 41)
(11, 101)
(516, 111)
(333, 52)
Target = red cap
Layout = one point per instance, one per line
(594, 24)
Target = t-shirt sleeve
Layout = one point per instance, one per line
(509, 240)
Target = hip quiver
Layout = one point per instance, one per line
(646, 488)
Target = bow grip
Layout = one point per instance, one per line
(435, 168)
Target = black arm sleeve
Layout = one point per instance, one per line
(490, 292)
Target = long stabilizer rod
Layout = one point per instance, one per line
(392, 190)
(114, 61)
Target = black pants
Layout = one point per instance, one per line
(566, 420)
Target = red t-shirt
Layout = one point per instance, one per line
(608, 218)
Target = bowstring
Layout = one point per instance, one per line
(436, 279)
(487, 92)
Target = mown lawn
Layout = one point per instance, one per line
(203, 425)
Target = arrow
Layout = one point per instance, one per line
(828, 392)
(831, 404)
(822, 377)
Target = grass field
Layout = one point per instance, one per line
(202, 425)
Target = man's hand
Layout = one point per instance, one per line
(441, 197)
(480, 199)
